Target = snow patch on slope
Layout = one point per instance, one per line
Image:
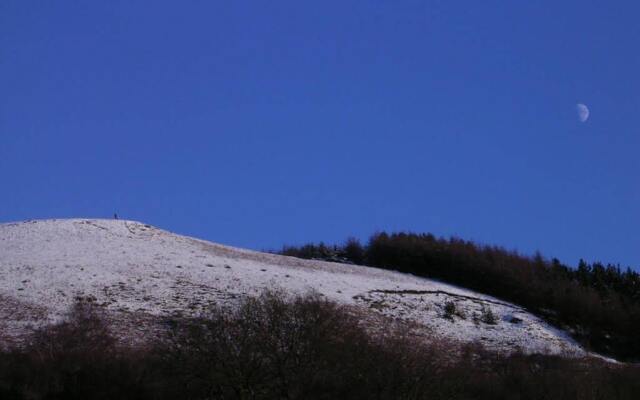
(130, 267)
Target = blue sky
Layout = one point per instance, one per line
(260, 123)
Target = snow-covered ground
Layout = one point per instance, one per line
(136, 269)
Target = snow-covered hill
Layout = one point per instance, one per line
(135, 269)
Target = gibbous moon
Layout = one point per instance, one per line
(583, 112)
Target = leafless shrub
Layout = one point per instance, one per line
(451, 310)
(74, 359)
(488, 317)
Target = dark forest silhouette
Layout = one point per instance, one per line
(598, 304)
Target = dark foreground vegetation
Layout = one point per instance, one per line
(277, 348)
(599, 305)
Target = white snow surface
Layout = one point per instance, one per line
(131, 267)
